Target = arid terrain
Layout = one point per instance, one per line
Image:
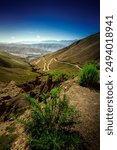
(17, 77)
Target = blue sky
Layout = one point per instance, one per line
(36, 20)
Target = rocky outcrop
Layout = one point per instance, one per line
(11, 101)
(38, 87)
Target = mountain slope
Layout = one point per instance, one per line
(75, 55)
(14, 68)
(81, 51)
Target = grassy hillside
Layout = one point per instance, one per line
(14, 68)
(78, 53)
(81, 51)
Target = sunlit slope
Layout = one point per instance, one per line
(14, 68)
(78, 53)
(81, 51)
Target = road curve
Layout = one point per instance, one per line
(46, 66)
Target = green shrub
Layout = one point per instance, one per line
(43, 96)
(50, 128)
(89, 75)
(96, 63)
(69, 75)
(54, 92)
(57, 76)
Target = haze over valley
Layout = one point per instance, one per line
(27, 49)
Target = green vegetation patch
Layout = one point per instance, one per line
(54, 92)
(65, 68)
(51, 124)
(89, 75)
(57, 76)
(14, 68)
(16, 74)
(60, 76)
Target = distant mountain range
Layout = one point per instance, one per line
(52, 45)
(64, 42)
(26, 50)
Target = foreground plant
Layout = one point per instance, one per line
(52, 124)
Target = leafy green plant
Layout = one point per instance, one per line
(57, 76)
(43, 96)
(69, 75)
(97, 64)
(50, 127)
(89, 75)
(54, 92)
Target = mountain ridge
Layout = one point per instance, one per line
(78, 53)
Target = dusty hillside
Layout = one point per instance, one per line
(81, 51)
(78, 53)
(14, 68)
(87, 102)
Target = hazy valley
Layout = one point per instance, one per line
(30, 50)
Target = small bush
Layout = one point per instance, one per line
(69, 75)
(50, 128)
(43, 96)
(89, 75)
(97, 64)
(59, 76)
(54, 92)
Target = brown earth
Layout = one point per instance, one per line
(12, 103)
(21, 141)
(87, 103)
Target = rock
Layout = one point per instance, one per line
(11, 101)
(11, 89)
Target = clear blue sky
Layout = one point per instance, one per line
(35, 20)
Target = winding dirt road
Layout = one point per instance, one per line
(54, 59)
(46, 66)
